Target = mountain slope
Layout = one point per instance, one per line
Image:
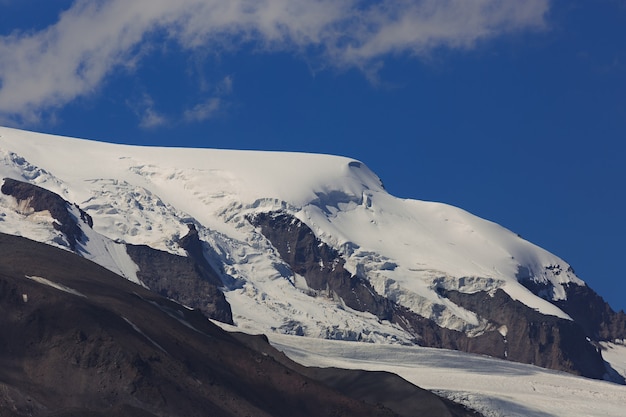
(495, 388)
(310, 245)
(122, 350)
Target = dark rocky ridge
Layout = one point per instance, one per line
(182, 279)
(40, 199)
(188, 280)
(319, 264)
(305, 253)
(535, 338)
(430, 334)
(390, 390)
(599, 321)
(195, 249)
(105, 346)
(531, 337)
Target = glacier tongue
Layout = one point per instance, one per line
(406, 249)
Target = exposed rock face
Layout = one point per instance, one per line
(532, 337)
(588, 309)
(77, 340)
(429, 334)
(191, 281)
(40, 199)
(319, 264)
(195, 249)
(322, 268)
(182, 279)
(516, 332)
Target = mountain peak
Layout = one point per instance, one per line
(392, 270)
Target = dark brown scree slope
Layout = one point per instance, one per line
(78, 340)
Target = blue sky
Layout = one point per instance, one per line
(514, 111)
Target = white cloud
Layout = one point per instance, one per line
(211, 106)
(204, 110)
(151, 119)
(225, 86)
(145, 110)
(46, 69)
(417, 27)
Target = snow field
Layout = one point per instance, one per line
(405, 248)
(494, 387)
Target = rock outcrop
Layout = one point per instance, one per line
(515, 331)
(182, 279)
(599, 321)
(319, 264)
(531, 337)
(188, 280)
(40, 199)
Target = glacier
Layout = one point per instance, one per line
(405, 248)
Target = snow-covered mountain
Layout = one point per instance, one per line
(304, 244)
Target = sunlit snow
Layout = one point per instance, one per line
(405, 248)
(494, 387)
(56, 285)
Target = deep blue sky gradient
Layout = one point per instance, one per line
(527, 129)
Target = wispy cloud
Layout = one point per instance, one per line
(144, 108)
(204, 110)
(213, 105)
(47, 69)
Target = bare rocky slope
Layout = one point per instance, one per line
(78, 340)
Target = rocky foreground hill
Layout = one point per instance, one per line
(78, 340)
